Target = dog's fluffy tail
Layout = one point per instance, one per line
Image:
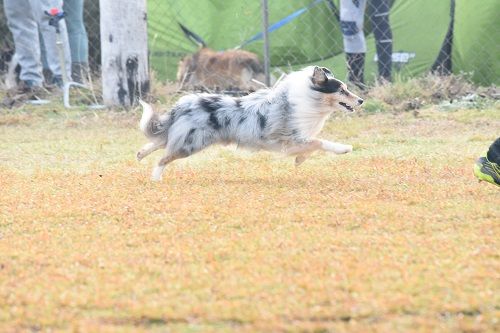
(151, 124)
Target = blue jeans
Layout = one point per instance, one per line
(78, 39)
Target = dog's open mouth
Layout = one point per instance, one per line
(348, 107)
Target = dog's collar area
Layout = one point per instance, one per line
(348, 107)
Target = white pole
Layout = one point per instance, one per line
(124, 51)
(265, 29)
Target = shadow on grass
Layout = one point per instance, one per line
(145, 321)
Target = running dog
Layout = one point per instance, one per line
(286, 118)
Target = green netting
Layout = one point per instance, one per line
(476, 40)
(227, 24)
(417, 39)
(418, 27)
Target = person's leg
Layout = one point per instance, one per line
(47, 73)
(379, 16)
(488, 168)
(25, 32)
(78, 39)
(49, 37)
(493, 154)
(351, 22)
(356, 66)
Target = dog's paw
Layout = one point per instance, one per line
(156, 179)
(335, 147)
(347, 149)
(299, 160)
(343, 149)
(156, 175)
(139, 155)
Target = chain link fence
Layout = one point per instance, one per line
(360, 40)
(91, 18)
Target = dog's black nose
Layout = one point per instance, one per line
(360, 101)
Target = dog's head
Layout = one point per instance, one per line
(334, 93)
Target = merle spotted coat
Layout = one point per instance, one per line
(286, 118)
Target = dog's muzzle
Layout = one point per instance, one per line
(347, 107)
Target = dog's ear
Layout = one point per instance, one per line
(319, 77)
(327, 71)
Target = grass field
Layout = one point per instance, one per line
(397, 236)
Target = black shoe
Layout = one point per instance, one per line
(29, 90)
(58, 81)
(487, 171)
(28, 86)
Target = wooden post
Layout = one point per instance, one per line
(124, 51)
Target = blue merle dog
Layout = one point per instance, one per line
(286, 118)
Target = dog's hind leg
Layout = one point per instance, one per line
(162, 163)
(148, 148)
(183, 145)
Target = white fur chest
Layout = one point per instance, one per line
(309, 125)
(307, 117)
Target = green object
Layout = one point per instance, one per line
(487, 171)
(417, 39)
(419, 29)
(476, 42)
(226, 24)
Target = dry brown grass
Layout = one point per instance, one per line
(397, 236)
(424, 91)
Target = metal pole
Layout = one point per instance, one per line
(265, 25)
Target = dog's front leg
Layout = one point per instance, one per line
(335, 147)
(303, 150)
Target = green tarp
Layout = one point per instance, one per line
(419, 28)
(417, 39)
(226, 24)
(476, 42)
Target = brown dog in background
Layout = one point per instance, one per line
(209, 70)
(224, 70)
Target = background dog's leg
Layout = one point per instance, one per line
(148, 148)
(335, 147)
